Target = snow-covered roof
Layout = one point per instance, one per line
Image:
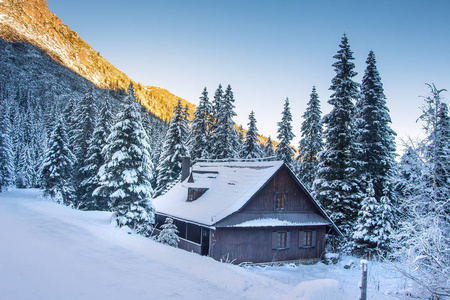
(200, 180)
(230, 185)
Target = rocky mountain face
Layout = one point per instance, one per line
(32, 22)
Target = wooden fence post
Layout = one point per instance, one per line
(363, 283)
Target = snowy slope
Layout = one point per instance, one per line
(49, 251)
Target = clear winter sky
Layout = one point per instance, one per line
(270, 50)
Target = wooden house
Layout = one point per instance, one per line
(245, 212)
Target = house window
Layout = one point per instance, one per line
(280, 240)
(280, 201)
(307, 240)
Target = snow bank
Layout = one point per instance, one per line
(49, 251)
(319, 289)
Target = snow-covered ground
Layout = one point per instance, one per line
(49, 251)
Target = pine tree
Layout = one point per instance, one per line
(125, 177)
(241, 139)
(198, 140)
(268, 148)
(284, 150)
(174, 149)
(251, 147)
(373, 226)
(375, 140)
(335, 185)
(216, 105)
(57, 167)
(311, 142)
(6, 149)
(84, 128)
(95, 159)
(225, 136)
(169, 234)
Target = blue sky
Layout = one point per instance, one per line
(270, 50)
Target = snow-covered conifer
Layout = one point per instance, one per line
(251, 147)
(198, 137)
(375, 140)
(268, 148)
(373, 226)
(224, 135)
(174, 149)
(125, 177)
(84, 128)
(57, 167)
(169, 234)
(95, 159)
(6, 149)
(284, 150)
(311, 142)
(335, 185)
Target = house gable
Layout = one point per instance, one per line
(281, 199)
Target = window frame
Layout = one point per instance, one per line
(280, 200)
(279, 242)
(303, 237)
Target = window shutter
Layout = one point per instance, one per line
(274, 240)
(301, 238)
(314, 237)
(288, 240)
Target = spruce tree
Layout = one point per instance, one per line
(6, 149)
(268, 148)
(375, 140)
(95, 159)
(335, 185)
(224, 134)
(373, 226)
(57, 167)
(126, 174)
(174, 149)
(199, 132)
(251, 147)
(169, 234)
(83, 129)
(311, 142)
(284, 150)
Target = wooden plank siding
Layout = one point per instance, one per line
(256, 244)
(282, 182)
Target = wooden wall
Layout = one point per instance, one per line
(255, 244)
(282, 182)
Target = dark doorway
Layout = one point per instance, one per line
(205, 241)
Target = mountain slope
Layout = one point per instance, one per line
(31, 21)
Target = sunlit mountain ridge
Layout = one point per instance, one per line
(31, 21)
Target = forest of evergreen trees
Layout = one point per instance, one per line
(101, 150)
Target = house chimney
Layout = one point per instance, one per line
(185, 167)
